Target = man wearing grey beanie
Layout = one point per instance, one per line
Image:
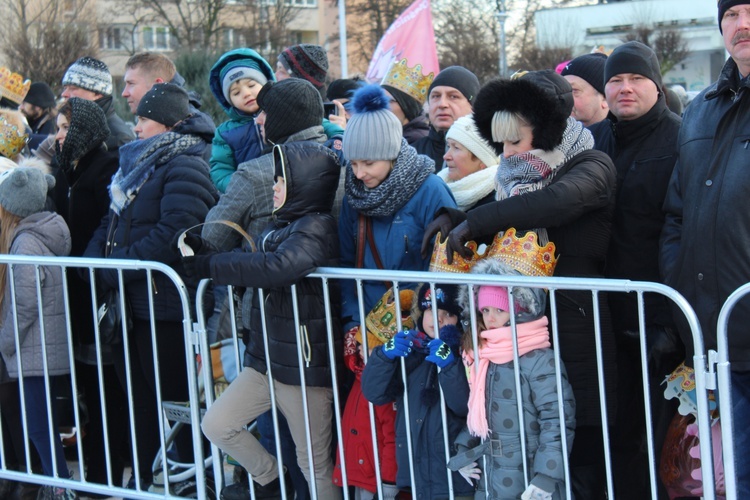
(704, 242)
(449, 97)
(640, 135)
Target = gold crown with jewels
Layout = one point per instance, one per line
(411, 81)
(524, 254)
(13, 136)
(13, 86)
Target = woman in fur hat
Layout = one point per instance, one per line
(551, 181)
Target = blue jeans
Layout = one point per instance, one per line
(741, 407)
(288, 450)
(38, 425)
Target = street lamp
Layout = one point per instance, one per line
(501, 16)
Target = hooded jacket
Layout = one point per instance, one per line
(43, 234)
(178, 194)
(301, 237)
(540, 409)
(119, 131)
(704, 253)
(238, 139)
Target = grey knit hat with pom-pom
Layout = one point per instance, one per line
(23, 190)
(373, 132)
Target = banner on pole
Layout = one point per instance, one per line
(410, 37)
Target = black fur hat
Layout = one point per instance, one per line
(543, 98)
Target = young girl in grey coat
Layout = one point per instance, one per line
(493, 401)
(24, 339)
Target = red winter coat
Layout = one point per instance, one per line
(355, 427)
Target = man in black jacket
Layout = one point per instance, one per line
(705, 252)
(449, 98)
(640, 135)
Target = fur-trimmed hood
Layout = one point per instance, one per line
(544, 98)
(532, 301)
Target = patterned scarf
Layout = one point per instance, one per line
(535, 169)
(497, 348)
(472, 188)
(139, 159)
(409, 173)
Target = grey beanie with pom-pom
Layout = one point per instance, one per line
(23, 190)
(373, 132)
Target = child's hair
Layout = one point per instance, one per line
(8, 224)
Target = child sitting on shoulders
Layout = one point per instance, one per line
(425, 349)
(236, 80)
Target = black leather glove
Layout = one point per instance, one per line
(445, 220)
(197, 267)
(441, 223)
(457, 240)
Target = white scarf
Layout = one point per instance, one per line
(472, 188)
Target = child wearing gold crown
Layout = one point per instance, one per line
(493, 401)
(425, 349)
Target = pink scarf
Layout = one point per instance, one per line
(498, 348)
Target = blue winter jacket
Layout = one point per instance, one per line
(398, 239)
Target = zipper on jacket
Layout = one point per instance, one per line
(153, 284)
(406, 244)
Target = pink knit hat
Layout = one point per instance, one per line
(493, 296)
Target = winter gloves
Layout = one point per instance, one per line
(453, 225)
(196, 266)
(536, 493)
(440, 353)
(399, 345)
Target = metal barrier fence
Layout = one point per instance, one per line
(209, 472)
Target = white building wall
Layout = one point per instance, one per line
(605, 25)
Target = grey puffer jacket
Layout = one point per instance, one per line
(43, 234)
(544, 450)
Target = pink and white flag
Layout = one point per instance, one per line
(410, 37)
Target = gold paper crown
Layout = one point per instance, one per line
(13, 86)
(12, 137)
(382, 323)
(522, 254)
(408, 80)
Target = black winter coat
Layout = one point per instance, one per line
(576, 208)
(433, 146)
(706, 237)
(644, 151)
(119, 132)
(177, 195)
(82, 198)
(302, 236)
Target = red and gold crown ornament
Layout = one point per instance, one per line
(524, 254)
(409, 80)
(13, 86)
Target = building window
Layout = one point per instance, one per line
(232, 38)
(156, 38)
(113, 37)
(301, 3)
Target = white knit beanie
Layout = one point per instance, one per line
(465, 132)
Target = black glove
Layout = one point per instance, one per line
(445, 220)
(441, 223)
(457, 240)
(197, 267)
